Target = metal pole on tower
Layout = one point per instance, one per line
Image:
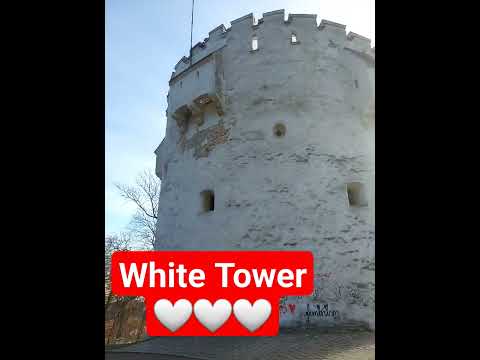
(191, 34)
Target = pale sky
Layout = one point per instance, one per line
(144, 39)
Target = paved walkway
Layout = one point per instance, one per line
(289, 345)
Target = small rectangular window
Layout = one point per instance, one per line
(208, 201)
(356, 194)
(254, 43)
(356, 84)
(294, 39)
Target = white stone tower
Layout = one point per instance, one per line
(270, 145)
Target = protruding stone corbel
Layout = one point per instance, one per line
(182, 116)
(198, 115)
(219, 108)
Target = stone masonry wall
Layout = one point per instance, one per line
(287, 192)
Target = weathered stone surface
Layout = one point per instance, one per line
(278, 191)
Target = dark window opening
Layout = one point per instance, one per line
(279, 130)
(356, 84)
(208, 201)
(198, 74)
(356, 194)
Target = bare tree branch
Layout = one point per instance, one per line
(145, 195)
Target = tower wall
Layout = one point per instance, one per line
(278, 192)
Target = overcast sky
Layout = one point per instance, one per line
(144, 39)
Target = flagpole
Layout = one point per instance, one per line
(191, 35)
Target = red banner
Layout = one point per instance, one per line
(212, 293)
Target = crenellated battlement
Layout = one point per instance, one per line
(217, 33)
(247, 26)
(331, 25)
(312, 18)
(359, 42)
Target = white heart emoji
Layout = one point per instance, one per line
(212, 317)
(173, 316)
(252, 317)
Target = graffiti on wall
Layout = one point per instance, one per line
(330, 290)
(287, 308)
(321, 310)
(329, 297)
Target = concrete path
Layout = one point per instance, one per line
(289, 345)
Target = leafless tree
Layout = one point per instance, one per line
(121, 242)
(144, 195)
